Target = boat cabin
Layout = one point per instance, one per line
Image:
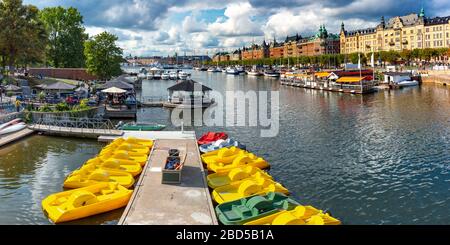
(396, 77)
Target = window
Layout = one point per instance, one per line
(412, 31)
(404, 32)
(427, 30)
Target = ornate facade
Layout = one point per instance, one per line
(413, 31)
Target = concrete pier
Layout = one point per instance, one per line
(154, 203)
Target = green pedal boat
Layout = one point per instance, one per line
(251, 208)
(143, 127)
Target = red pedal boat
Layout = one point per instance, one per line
(211, 137)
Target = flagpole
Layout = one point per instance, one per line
(360, 71)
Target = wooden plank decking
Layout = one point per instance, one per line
(154, 203)
(15, 136)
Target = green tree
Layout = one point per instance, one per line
(103, 56)
(66, 37)
(22, 34)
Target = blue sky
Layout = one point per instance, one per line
(162, 27)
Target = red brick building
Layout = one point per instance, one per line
(256, 52)
(64, 73)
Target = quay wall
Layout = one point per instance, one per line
(63, 73)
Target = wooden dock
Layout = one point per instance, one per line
(154, 203)
(74, 132)
(15, 136)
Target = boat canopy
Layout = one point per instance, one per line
(322, 74)
(114, 90)
(353, 79)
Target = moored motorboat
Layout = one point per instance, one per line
(409, 83)
(183, 75)
(232, 71)
(271, 73)
(165, 76)
(85, 202)
(12, 128)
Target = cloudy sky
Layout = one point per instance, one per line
(162, 27)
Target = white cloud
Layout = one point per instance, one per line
(238, 22)
(191, 25)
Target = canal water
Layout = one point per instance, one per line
(378, 159)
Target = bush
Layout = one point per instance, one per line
(63, 106)
(45, 108)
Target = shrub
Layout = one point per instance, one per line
(63, 106)
(45, 108)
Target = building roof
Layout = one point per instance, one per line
(293, 38)
(58, 86)
(189, 86)
(12, 87)
(407, 20)
(360, 31)
(437, 21)
(120, 82)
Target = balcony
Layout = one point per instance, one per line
(391, 43)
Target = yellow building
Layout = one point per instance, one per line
(413, 31)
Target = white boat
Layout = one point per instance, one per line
(183, 75)
(240, 69)
(13, 128)
(232, 71)
(271, 73)
(156, 76)
(409, 83)
(15, 121)
(142, 75)
(224, 70)
(254, 72)
(211, 69)
(173, 75)
(165, 76)
(149, 76)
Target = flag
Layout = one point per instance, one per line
(373, 60)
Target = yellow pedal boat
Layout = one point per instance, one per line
(243, 160)
(130, 151)
(87, 176)
(125, 155)
(132, 167)
(147, 143)
(245, 188)
(224, 155)
(301, 215)
(85, 202)
(236, 174)
(134, 148)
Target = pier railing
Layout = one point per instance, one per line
(71, 124)
(152, 99)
